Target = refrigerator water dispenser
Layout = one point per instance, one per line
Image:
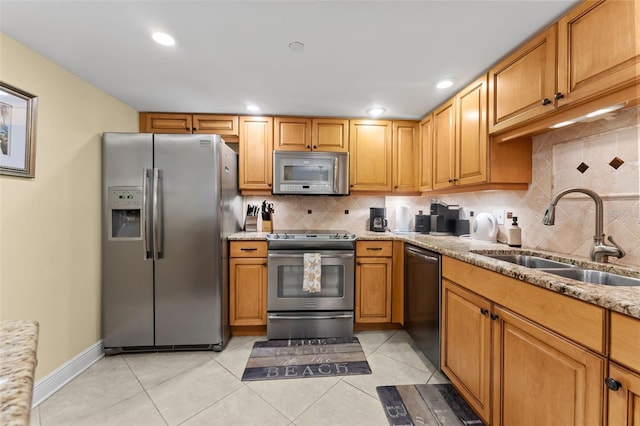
(125, 205)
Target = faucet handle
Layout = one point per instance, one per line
(620, 249)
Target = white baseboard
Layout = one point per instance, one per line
(62, 375)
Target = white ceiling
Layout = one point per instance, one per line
(231, 53)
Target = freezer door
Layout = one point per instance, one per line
(188, 274)
(127, 271)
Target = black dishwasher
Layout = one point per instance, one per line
(423, 277)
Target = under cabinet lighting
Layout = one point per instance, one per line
(590, 116)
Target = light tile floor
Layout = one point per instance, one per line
(204, 388)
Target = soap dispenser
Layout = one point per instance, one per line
(514, 234)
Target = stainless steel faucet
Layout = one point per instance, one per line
(600, 251)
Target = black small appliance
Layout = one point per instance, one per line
(378, 219)
(423, 223)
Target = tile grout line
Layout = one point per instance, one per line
(144, 389)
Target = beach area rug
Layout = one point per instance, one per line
(425, 404)
(304, 358)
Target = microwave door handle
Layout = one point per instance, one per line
(335, 175)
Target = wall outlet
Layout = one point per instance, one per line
(500, 215)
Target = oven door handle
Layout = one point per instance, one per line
(275, 317)
(341, 256)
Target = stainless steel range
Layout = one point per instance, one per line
(302, 303)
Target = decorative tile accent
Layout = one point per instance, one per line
(582, 167)
(616, 162)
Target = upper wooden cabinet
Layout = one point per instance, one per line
(225, 125)
(598, 49)
(425, 131)
(460, 138)
(256, 147)
(405, 156)
(306, 134)
(370, 154)
(523, 85)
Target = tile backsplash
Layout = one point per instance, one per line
(578, 155)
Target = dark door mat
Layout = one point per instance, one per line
(437, 404)
(305, 358)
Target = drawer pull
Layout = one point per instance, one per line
(612, 383)
(248, 249)
(374, 248)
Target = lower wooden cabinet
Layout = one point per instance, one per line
(513, 371)
(248, 283)
(374, 278)
(623, 396)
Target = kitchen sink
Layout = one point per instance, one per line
(530, 261)
(595, 277)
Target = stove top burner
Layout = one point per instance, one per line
(311, 235)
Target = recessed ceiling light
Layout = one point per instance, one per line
(253, 108)
(444, 84)
(296, 46)
(163, 39)
(375, 111)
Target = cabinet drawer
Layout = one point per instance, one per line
(374, 248)
(579, 321)
(248, 249)
(625, 340)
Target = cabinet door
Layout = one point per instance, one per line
(292, 134)
(471, 133)
(248, 291)
(523, 85)
(330, 134)
(444, 145)
(373, 289)
(405, 156)
(225, 125)
(598, 48)
(256, 147)
(165, 123)
(370, 155)
(466, 345)
(425, 129)
(624, 402)
(541, 378)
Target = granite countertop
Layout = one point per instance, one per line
(625, 300)
(18, 343)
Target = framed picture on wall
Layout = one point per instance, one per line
(17, 131)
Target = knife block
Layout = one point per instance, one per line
(251, 223)
(267, 226)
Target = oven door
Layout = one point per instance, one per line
(285, 272)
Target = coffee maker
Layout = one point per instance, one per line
(378, 219)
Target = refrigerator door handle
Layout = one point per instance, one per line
(145, 212)
(156, 216)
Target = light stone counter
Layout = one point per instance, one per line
(18, 344)
(625, 300)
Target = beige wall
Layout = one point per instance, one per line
(50, 225)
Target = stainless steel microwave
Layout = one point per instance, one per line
(310, 173)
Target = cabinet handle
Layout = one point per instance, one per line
(315, 147)
(450, 180)
(612, 383)
(559, 95)
(308, 146)
(358, 263)
(188, 129)
(494, 316)
(546, 101)
(248, 248)
(264, 264)
(269, 184)
(374, 248)
(484, 311)
(351, 186)
(396, 187)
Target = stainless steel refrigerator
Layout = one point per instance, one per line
(169, 204)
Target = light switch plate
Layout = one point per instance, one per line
(500, 215)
